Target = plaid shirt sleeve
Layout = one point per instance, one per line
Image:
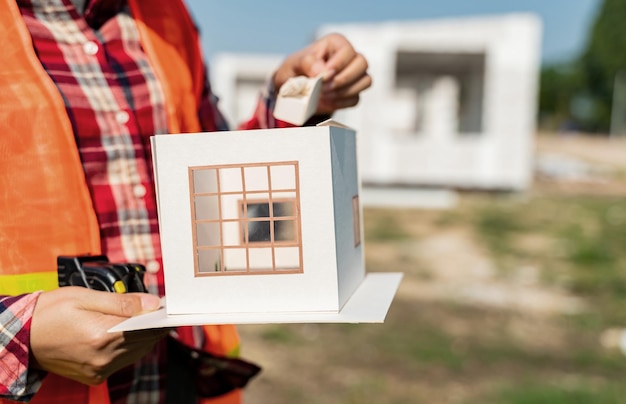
(16, 382)
(211, 118)
(263, 117)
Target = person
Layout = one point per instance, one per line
(83, 85)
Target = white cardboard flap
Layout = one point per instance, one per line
(369, 304)
(298, 108)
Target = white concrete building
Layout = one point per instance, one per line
(453, 102)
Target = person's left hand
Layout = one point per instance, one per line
(69, 336)
(344, 71)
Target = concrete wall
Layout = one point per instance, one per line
(453, 102)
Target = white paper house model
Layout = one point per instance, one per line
(264, 221)
(263, 226)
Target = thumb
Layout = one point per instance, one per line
(120, 304)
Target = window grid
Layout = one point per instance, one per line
(244, 219)
(270, 196)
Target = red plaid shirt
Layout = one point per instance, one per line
(15, 315)
(115, 103)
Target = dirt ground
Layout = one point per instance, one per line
(458, 328)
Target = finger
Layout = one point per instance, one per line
(345, 97)
(339, 58)
(117, 304)
(99, 369)
(313, 65)
(363, 83)
(330, 106)
(328, 55)
(351, 73)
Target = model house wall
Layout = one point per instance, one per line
(264, 221)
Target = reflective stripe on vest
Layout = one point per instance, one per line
(14, 285)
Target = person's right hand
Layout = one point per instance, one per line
(69, 332)
(344, 70)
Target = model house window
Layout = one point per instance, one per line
(265, 222)
(246, 218)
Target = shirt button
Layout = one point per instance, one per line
(90, 48)
(153, 267)
(139, 191)
(122, 117)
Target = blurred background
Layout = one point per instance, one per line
(492, 149)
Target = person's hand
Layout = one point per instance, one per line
(344, 71)
(69, 332)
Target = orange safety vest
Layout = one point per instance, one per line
(45, 206)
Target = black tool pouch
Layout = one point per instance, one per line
(193, 373)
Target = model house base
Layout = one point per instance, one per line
(369, 304)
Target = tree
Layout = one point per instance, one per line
(584, 88)
(560, 85)
(604, 59)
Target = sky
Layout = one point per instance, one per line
(284, 26)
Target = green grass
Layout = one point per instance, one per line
(578, 243)
(387, 226)
(498, 225)
(536, 392)
(429, 347)
(280, 335)
(587, 239)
